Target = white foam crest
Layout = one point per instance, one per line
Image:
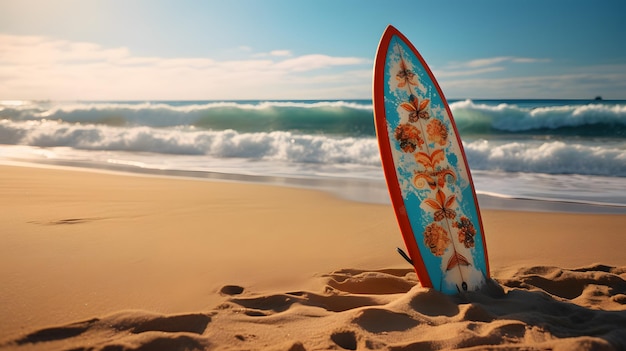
(317, 104)
(553, 157)
(48, 133)
(280, 146)
(322, 149)
(510, 117)
(572, 116)
(548, 157)
(160, 114)
(50, 109)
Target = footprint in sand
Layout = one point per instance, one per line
(231, 290)
(388, 281)
(346, 290)
(345, 339)
(531, 308)
(381, 320)
(190, 323)
(57, 333)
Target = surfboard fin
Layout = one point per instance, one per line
(405, 256)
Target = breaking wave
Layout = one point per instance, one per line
(344, 118)
(591, 119)
(497, 135)
(553, 157)
(323, 117)
(277, 145)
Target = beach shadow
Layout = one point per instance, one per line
(57, 333)
(582, 306)
(585, 306)
(538, 308)
(69, 221)
(588, 302)
(385, 281)
(124, 331)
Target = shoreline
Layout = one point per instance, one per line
(357, 190)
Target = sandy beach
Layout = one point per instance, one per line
(101, 261)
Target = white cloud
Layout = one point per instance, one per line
(528, 60)
(34, 67)
(484, 65)
(273, 53)
(39, 50)
(280, 53)
(469, 72)
(484, 62)
(565, 86)
(312, 62)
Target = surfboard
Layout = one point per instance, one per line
(426, 170)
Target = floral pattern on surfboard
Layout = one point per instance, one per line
(433, 175)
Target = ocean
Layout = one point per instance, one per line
(560, 151)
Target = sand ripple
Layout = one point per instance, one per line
(527, 308)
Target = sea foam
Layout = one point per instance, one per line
(345, 118)
(588, 119)
(562, 137)
(552, 157)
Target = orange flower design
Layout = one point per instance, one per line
(442, 206)
(434, 179)
(416, 108)
(430, 160)
(405, 76)
(431, 176)
(409, 137)
(436, 238)
(466, 231)
(437, 132)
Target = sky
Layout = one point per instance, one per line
(306, 49)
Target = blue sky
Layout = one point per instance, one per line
(296, 49)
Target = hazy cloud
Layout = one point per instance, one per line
(566, 86)
(467, 72)
(484, 65)
(273, 53)
(311, 62)
(280, 53)
(498, 60)
(35, 67)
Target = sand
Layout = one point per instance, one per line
(98, 261)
